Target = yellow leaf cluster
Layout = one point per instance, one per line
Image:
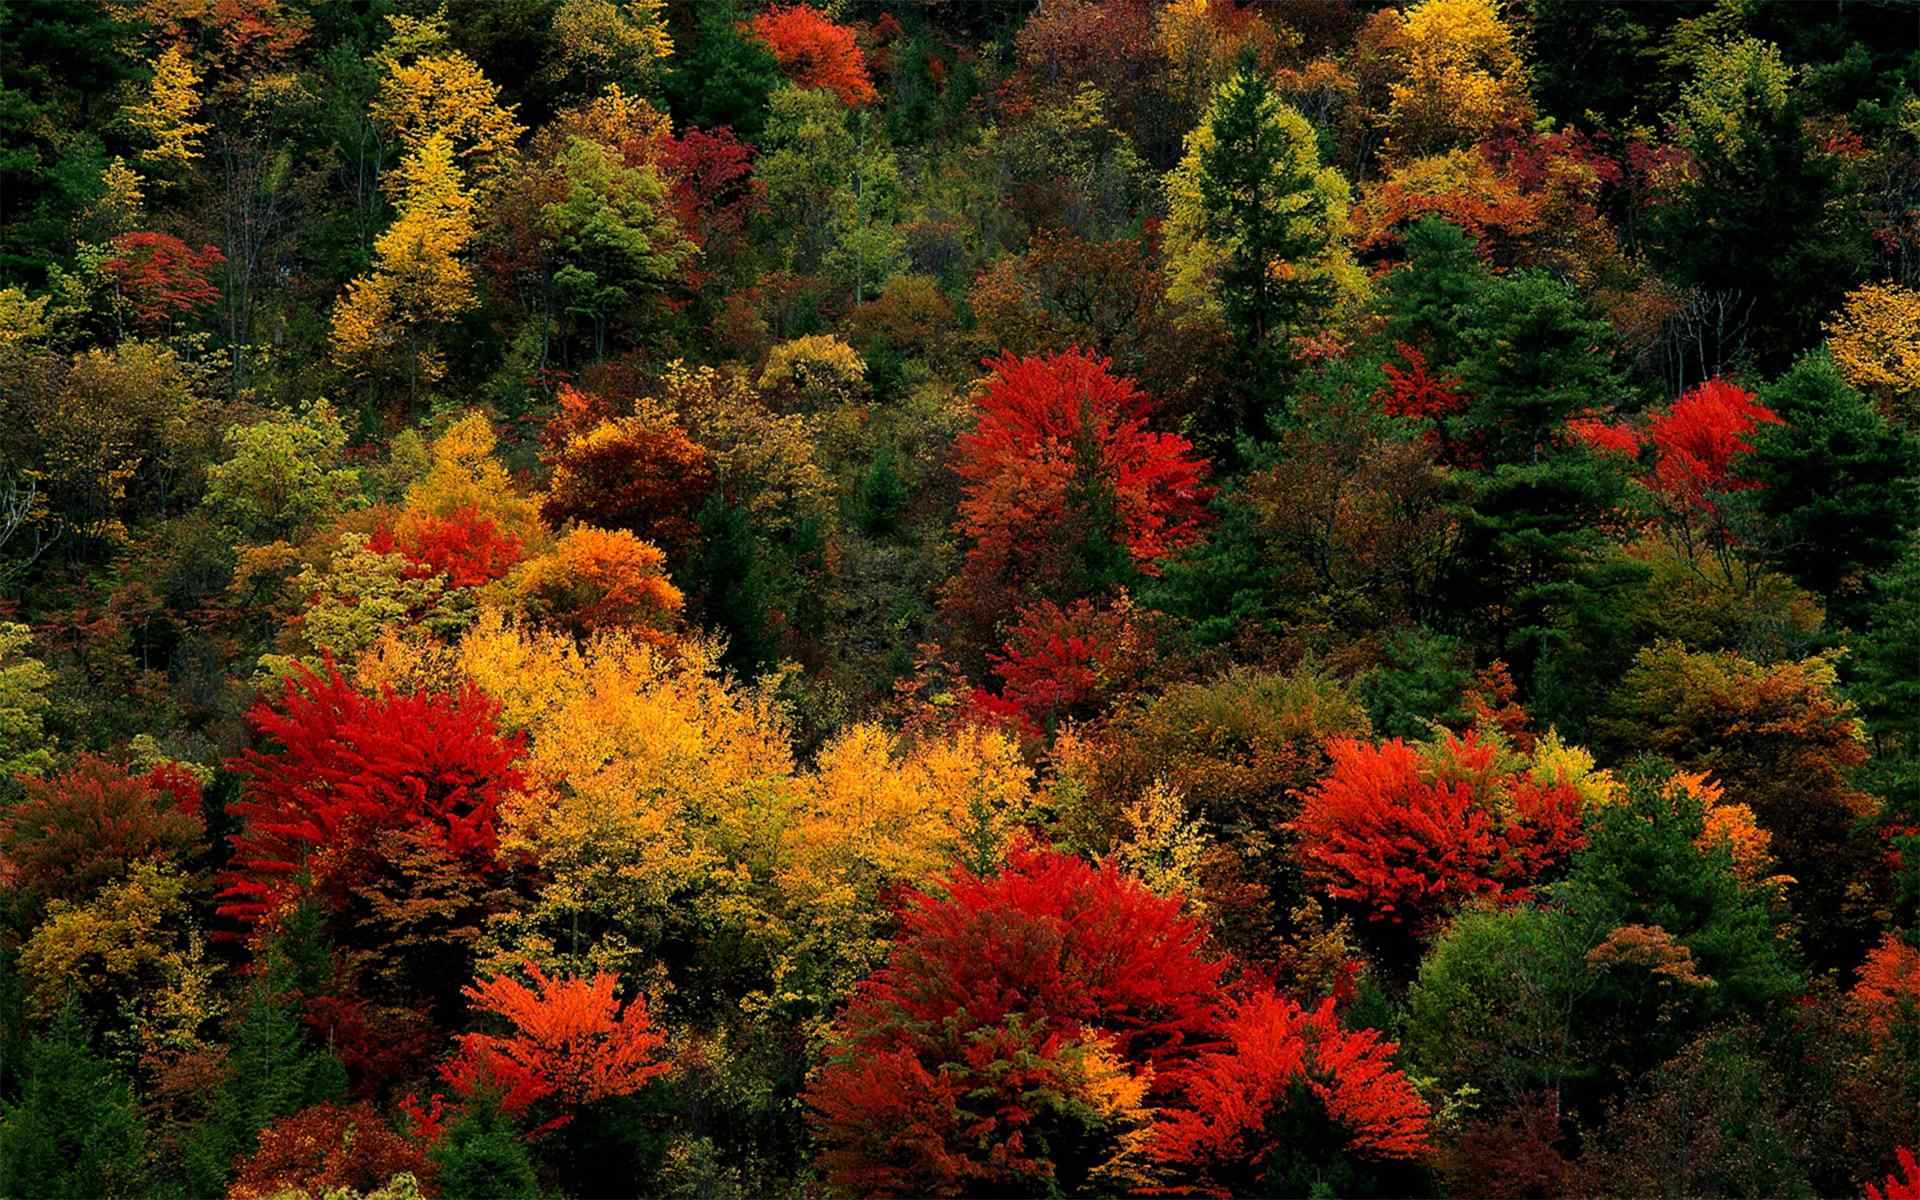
(1875, 341)
(814, 373)
(1463, 77)
(655, 782)
(418, 279)
(598, 38)
(767, 459)
(879, 812)
(428, 91)
(166, 115)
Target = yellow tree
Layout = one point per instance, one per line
(429, 90)
(167, 113)
(878, 815)
(1464, 76)
(1875, 340)
(598, 42)
(418, 281)
(657, 792)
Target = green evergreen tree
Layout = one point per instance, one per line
(725, 77)
(1840, 486)
(75, 1132)
(483, 1157)
(1264, 198)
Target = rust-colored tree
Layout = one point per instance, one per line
(328, 1149)
(75, 830)
(162, 278)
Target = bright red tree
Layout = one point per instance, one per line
(161, 276)
(1697, 440)
(1413, 392)
(351, 765)
(814, 52)
(77, 829)
(1061, 469)
(1280, 1057)
(572, 1043)
(1906, 1185)
(1011, 1003)
(1409, 836)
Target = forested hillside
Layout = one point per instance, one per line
(713, 599)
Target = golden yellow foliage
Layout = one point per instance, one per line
(166, 115)
(1464, 76)
(418, 280)
(814, 373)
(1875, 341)
(596, 39)
(464, 475)
(657, 787)
(429, 91)
(766, 459)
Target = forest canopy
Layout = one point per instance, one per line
(726, 598)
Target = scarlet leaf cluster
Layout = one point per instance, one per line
(1051, 430)
(467, 546)
(1279, 1054)
(1904, 1186)
(1409, 838)
(161, 276)
(1414, 392)
(351, 765)
(1059, 662)
(996, 993)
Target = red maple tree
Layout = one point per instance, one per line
(815, 52)
(956, 1059)
(1061, 456)
(1061, 662)
(572, 1043)
(1279, 1055)
(1888, 990)
(1697, 440)
(349, 766)
(1409, 836)
(161, 277)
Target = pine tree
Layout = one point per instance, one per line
(74, 1132)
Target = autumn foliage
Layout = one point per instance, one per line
(349, 766)
(1279, 1056)
(77, 829)
(571, 1043)
(1060, 466)
(1010, 1003)
(815, 52)
(467, 546)
(327, 1147)
(162, 278)
(1408, 833)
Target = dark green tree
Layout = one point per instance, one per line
(484, 1157)
(1840, 486)
(724, 77)
(75, 1132)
